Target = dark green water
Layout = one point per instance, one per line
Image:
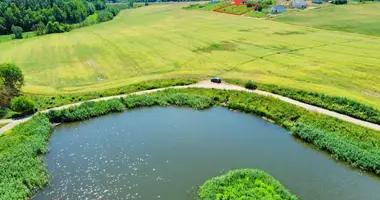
(165, 153)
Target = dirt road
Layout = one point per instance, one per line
(221, 86)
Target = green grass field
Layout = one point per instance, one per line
(356, 18)
(164, 41)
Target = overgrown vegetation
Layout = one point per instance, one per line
(339, 104)
(51, 101)
(24, 105)
(85, 110)
(250, 85)
(22, 172)
(244, 184)
(169, 98)
(353, 152)
(11, 81)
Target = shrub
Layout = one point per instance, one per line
(85, 110)
(23, 104)
(22, 171)
(39, 29)
(339, 2)
(104, 16)
(244, 184)
(169, 97)
(17, 31)
(251, 85)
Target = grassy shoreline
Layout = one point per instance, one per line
(22, 172)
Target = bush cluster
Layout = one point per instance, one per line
(85, 110)
(22, 172)
(339, 2)
(250, 85)
(244, 184)
(169, 98)
(23, 105)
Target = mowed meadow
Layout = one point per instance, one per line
(356, 18)
(163, 41)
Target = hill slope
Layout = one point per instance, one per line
(167, 41)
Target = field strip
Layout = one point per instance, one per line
(209, 85)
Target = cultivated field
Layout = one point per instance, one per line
(166, 41)
(361, 18)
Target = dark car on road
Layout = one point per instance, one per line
(216, 80)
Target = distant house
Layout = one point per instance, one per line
(299, 4)
(318, 1)
(277, 9)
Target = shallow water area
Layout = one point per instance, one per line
(165, 153)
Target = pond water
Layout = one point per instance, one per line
(165, 153)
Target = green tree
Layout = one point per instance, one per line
(53, 27)
(11, 81)
(17, 31)
(11, 76)
(23, 104)
(58, 14)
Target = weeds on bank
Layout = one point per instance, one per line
(244, 184)
(85, 111)
(22, 172)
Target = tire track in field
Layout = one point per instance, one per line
(118, 51)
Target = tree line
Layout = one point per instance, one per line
(46, 16)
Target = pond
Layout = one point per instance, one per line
(166, 153)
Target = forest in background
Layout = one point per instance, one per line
(48, 16)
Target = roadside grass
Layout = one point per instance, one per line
(52, 101)
(160, 41)
(354, 18)
(3, 124)
(22, 171)
(244, 184)
(338, 104)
